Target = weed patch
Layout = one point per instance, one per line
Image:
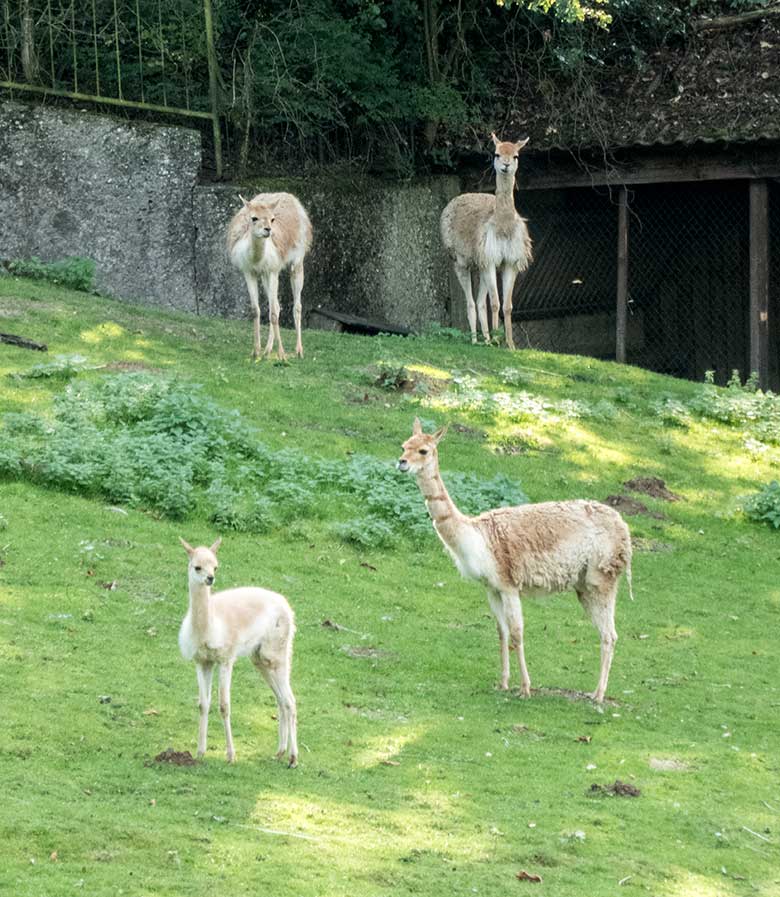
(74, 273)
(147, 442)
(764, 506)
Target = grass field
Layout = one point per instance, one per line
(416, 775)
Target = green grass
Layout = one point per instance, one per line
(416, 775)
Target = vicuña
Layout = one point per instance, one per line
(244, 622)
(271, 232)
(529, 551)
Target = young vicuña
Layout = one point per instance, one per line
(529, 551)
(484, 232)
(244, 622)
(270, 233)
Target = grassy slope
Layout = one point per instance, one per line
(475, 797)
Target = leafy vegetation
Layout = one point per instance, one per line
(416, 775)
(146, 441)
(764, 506)
(396, 85)
(75, 273)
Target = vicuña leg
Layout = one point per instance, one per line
(464, 278)
(600, 604)
(508, 276)
(296, 283)
(291, 714)
(497, 607)
(513, 611)
(254, 298)
(204, 672)
(278, 679)
(270, 294)
(492, 286)
(273, 303)
(225, 675)
(482, 292)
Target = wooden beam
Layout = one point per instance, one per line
(622, 277)
(732, 21)
(22, 341)
(669, 173)
(759, 281)
(648, 165)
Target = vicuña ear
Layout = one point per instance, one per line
(216, 545)
(521, 143)
(416, 427)
(274, 205)
(187, 547)
(495, 139)
(440, 433)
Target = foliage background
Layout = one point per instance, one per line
(395, 85)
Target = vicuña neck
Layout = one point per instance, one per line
(444, 514)
(200, 596)
(505, 201)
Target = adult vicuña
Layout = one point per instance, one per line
(529, 551)
(270, 233)
(485, 232)
(245, 622)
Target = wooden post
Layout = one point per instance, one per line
(213, 86)
(622, 277)
(759, 281)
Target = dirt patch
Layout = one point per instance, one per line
(177, 758)
(630, 506)
(664, 764)
(469, 432)
(363, 398)
(570, 695)
(616, 789)
(655, 487)
(398, 378)
(364, 651)
(640, 544)
(132, 366)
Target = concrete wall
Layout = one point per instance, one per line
(73, 183)
(126, 195)
(376, 250)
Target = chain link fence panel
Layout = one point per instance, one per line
(688, 276)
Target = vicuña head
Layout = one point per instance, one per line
(420, 450)
(507, 155)
(262, 217)
(203, 563)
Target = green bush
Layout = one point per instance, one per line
(764, 506)
(164, 446)
(75, 273)
(64, 367)
(757, 412)
(366, 532)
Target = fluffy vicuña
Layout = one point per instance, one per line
(270, 233)
(529, 551)
(485, 233)
(245, 622)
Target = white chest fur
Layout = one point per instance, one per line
(471, 555)
(241, 253)
(203, 647)
(268, 258)
(502, 248)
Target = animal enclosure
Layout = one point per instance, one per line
(116, 53)
(688, 276)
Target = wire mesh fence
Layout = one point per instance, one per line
(133, 53)
(688, 276)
